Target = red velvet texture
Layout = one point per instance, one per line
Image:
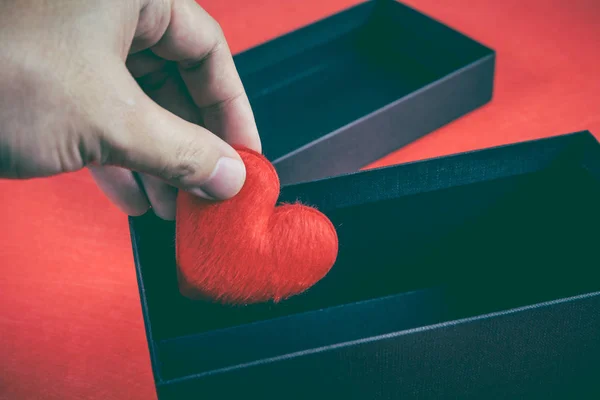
(248, 249)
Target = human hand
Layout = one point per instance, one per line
(120, 86)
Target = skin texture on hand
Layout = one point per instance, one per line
(144, 93)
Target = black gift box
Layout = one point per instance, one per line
(468, 276)
(343, 92)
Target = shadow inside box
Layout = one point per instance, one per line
(332, 85)
(466, 250)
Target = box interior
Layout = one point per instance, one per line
(330, 74)
(464, 250)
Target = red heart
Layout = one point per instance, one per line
(248, 250)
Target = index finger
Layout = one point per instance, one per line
(195, 40)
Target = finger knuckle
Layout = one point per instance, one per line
(188, 165)
(219, 33)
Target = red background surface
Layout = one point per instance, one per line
(70, 319)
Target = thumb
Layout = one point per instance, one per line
(146, 138)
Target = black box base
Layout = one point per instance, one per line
(470, 276)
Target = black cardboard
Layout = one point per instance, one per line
(468, 276)
(341, 93)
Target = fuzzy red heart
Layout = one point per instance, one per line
(248, 250)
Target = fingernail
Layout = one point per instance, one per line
(225, 181)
